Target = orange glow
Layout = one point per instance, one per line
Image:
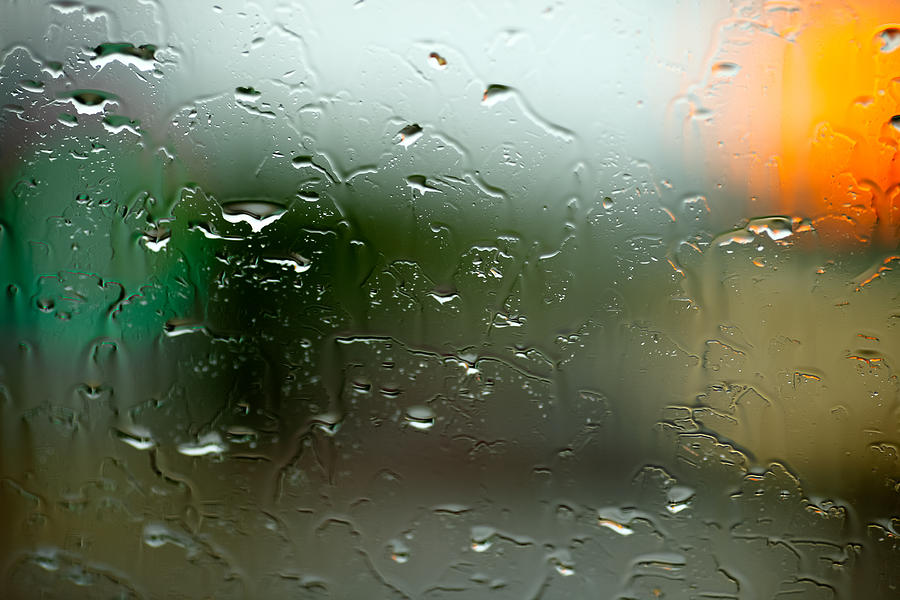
(813, 107)
(839, 147)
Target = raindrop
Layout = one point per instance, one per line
(443, 298)
(890, 39)
(481, 538)
(777, 228)
(329, 423)
(259, 214)
(736, 237)
(30, 85)
(53, 68)
(407, 136)
(437, 61)
(156, 535)
(300, 264)
(136, 437)
(495, 93)
(118, 123)
(238, 434)
(679, 498)
(420, 184)
(725, 69)
(88, 102)
(248, 94)
(47, 560)
(563, 569)
(615, 526)
(420, 417)
(210, 443)
(178, 327)
(399, 552)
(141, 57)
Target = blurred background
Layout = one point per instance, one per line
(383, 299)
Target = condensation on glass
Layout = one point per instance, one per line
(383, 299)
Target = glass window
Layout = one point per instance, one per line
(386, 299)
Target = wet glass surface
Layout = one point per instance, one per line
(386, 299)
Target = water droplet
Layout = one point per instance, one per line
(157, 239)
(156, 535)
(329, 423)
(443, 298)
(298, 263)
(676, 507)
(54, 68)
(736, 237)
(136, 437)
(495, 93)
(777, 228)
(207, 231)
(45, 305)
(88, 102)
(390, 392)
(890, 39)
(141, 57)
(420, 417)
(118, 123)
(47, 560)
(247, 94)
(419, 184)
(177, 327)
(399, 552)
(210, 443)
(259, 214)
(67, 119)
(481, 538)
(615, 526)
(725, 69)
(305, 161)
(407, 136)
(30, 85)
(238, 434)
(437, 61)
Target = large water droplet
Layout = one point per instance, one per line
(495, 93)
(482, 538)
(136, 437)
(141, 57)
(420, 417)
(777, 228)
(407, 136)
(890, 39)
(88, 102)
(210, 443)
(437, 61)
(259, 214)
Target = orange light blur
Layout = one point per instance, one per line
(813, 104)
(838, 145)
